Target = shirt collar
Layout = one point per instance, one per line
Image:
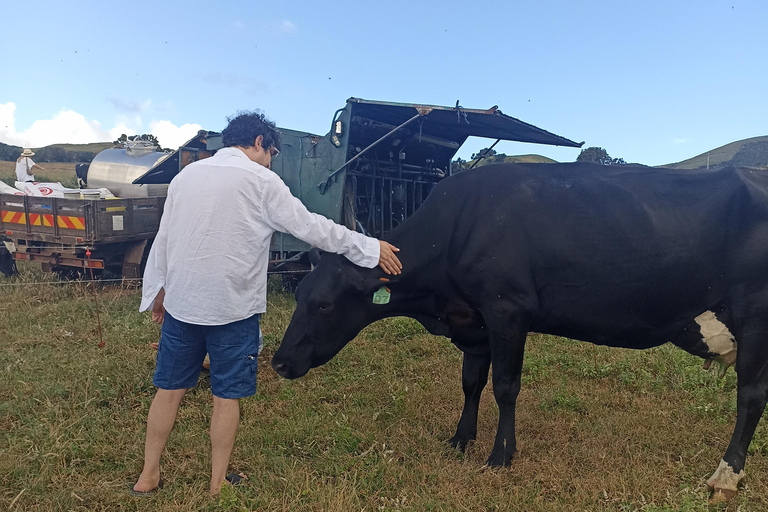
(232, 151)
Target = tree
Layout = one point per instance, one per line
(458, 165)
(594, 155)
(122, 139)
(484, 153)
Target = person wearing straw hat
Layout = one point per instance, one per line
(25, 166)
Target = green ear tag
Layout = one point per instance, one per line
(381, 296)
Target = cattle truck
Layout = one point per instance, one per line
(371, 171)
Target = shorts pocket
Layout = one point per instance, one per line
(249, 373)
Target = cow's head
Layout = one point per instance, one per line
(334, 303)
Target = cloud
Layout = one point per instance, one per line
(70, 127)
(171, 136)
(65, 127)
(248, 85)
(287, 27)
(679, 141)
(129, 105)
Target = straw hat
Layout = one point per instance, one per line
(27, 152)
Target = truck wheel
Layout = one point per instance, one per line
(71, 273)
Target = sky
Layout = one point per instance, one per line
(652, 82)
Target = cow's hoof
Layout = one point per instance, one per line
(500, 458)
(722, 496)
(724, 483)
(460, 442)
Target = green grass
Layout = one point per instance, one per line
(637, 430)
(716, 156)
(94, 147)
(55, 172)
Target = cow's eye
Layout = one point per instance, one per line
(324, 307)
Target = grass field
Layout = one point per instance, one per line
(61, 172)
(716, 156)
(635, 430)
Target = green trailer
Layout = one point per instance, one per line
(373, 169)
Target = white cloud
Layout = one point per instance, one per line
(287, 27)
(66, 127)
(171, 136)
(70, 127)
(247, 84)
(130, 105)
(679, 141)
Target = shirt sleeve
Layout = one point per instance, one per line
(284, 212)
(157, 261)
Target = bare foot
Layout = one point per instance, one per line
(148, 483)
(230, 479)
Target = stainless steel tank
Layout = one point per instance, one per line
(116, 169)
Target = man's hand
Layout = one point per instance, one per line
(388, 259)
(158, 310)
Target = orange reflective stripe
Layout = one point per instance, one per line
(34, 219)
(48, 220)
(13, 217)
(68, 222)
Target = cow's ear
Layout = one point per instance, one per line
(370, 285)
(314, 256)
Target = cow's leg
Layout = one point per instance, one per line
(507, 349)
(474, 376)
(752, 371)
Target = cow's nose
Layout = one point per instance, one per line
(280, 368)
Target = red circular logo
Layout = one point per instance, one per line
(45, 191)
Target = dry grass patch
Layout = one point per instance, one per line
(639, 431)
(55, 172)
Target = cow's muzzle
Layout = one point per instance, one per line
(281, 369)
(287, 370)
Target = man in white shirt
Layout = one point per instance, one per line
(25, 166)
(206, 281)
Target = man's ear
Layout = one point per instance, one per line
(259, 142)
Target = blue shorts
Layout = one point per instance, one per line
(233, 349)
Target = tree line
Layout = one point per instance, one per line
(10, 153)
(489, 156)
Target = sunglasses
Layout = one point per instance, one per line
(274, 151)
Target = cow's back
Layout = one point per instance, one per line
(618, 255)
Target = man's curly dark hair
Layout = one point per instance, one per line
(244, 127)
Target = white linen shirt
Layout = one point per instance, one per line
(212, 249)
(24, 168)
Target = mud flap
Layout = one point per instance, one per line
(135, 259)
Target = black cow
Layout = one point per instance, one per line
(7, 264)
(621, 256)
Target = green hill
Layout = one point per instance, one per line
(529, 159)
(502, 158)
(94, 147)
(746, 152)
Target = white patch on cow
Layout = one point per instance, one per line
(717, 337)
(725, 479)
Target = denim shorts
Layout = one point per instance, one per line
(233, 350)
